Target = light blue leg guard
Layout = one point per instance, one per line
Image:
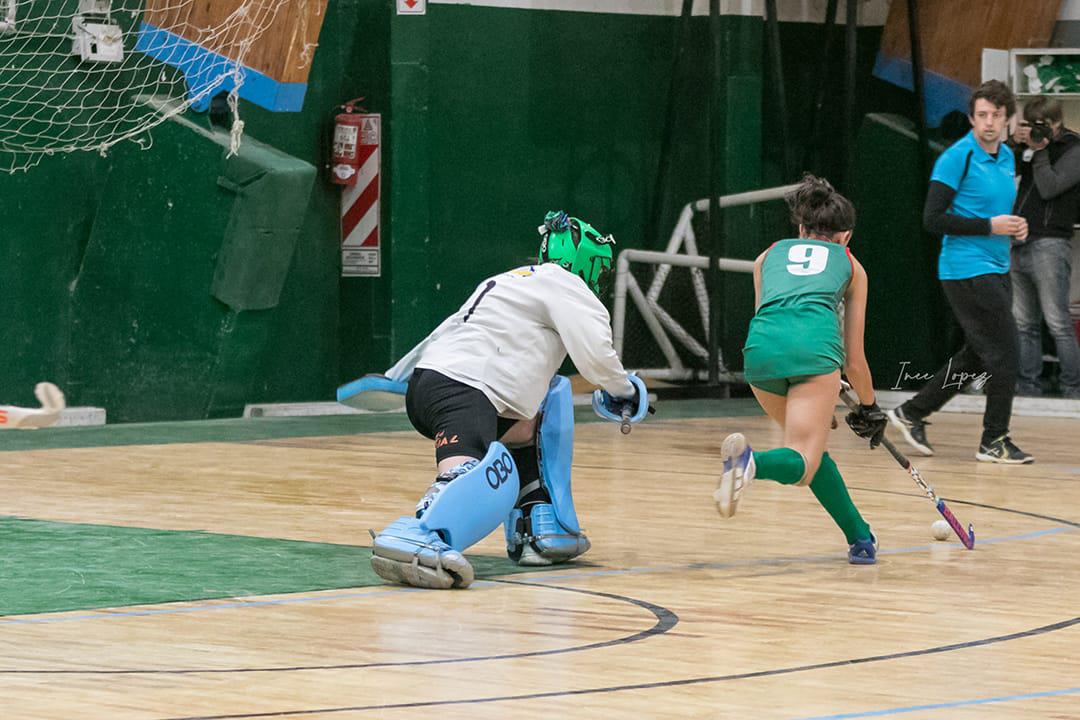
(426, 551)
(551, 533)
(467, 509)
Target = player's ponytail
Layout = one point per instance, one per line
(817, 206)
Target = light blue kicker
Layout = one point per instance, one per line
(472, 505)
(555, 441)
(553, 531)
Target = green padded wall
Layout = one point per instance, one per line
(906, 310)
(109, 262)
(492, 116)
(151, 341)
(569, 117)
(272, 191)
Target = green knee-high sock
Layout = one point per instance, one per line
(783, 465)
(829, 489)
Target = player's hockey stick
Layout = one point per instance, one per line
(966, 537)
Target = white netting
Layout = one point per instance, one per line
(55, 101)
(661, 307)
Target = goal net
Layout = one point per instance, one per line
(660, 317)
(84, 75)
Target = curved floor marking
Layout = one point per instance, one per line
(970, 503)
(665, 621)
(217, 605)
(651, 685)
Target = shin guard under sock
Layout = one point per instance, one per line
(782, 465)
(528, 466)
(829, 489)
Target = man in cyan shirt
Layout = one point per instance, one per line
(969, 202)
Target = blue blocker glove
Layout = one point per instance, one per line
(611, 408)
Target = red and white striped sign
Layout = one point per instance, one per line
(360, 242)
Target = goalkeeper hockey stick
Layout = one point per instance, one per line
(625, 426)
(967, 537)
(52, 403)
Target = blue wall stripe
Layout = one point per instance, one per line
(943, 94)
(209, 73)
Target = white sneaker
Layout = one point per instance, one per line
(738, 473)
(914, 431)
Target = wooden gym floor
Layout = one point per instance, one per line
(213, 570)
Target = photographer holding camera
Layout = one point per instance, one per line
(1049, 199)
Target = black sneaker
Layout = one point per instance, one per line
(1002, 450)
(914, 430)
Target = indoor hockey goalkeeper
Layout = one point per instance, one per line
(483, 387)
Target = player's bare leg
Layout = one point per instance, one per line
(805, 415)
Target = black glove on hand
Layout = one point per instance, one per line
(615, 405)
(869, 422)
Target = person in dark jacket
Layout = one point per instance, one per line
(1049, 199)
(972, 193)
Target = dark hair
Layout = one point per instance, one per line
(1043, 108)
(997, 93)
(817, 206)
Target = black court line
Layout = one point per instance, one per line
(1025, 513)
(969, 503)
(665, 621)
(700, 680)
(654, 685)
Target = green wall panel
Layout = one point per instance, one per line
(569, 116)
(330, 329)
(148, 336)
(48, 218)
(906, 310)
(492, 116)
(108, 263)
(802, 47)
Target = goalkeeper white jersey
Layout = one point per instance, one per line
(512, 334)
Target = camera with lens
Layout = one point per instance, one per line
(1041, 131)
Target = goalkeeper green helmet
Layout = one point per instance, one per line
(576, 246)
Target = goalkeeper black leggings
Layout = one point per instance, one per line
(460, 419)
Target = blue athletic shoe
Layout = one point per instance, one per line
(863, 552)
(738, 473)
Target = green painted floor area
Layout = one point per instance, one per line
(55, 567)
(247, 430)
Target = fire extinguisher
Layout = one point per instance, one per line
(345, 158)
